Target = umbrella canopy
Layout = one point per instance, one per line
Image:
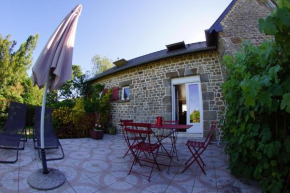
(54, 64)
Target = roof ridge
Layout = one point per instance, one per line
(162, 50)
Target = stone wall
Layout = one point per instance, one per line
(150, 87)
(241, 24)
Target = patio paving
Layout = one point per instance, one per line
(98, 166)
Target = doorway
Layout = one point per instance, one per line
(187, 103)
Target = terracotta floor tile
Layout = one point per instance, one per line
(9, 185)
(121, 186)
(155, 186)
(85, 186)
(205, 181)
(204, 190)
(98, 166)
(105, 179)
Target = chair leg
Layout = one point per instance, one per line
(196, 156)
(126, 153)
(173, 146)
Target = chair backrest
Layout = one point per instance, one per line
(16, 118)
(48, 127)
(138, 130)
(210, 134)
(122, 121)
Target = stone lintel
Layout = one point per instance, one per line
(189, 72)
(125, 83)
(172, 75)
(181, 71)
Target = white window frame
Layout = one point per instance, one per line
(123, 89)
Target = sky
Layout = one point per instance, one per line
(111, 28)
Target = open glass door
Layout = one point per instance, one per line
(194, 108)
(187, 103)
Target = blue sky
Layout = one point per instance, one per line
(112, 28)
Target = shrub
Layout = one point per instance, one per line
(99, 103)
(257, 93)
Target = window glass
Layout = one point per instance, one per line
(125, 93)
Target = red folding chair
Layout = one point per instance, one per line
(197, 148)
(140, 148)
(122, 121)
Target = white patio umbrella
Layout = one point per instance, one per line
(52, 68)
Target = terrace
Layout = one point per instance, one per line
(98, 166)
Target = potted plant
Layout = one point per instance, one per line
(112, 130)
(97, 132)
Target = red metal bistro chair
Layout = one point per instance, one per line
(122, 125)
(140, 148)
(197, 148)
(133, 137)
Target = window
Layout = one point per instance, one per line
(125, 93)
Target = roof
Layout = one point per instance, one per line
(217, 25)
(155, 56)
(212, 33)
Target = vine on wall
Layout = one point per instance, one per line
(257, 93)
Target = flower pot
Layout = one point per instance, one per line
(112, 130)
(97, 134)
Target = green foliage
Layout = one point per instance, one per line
(14, 84)
(195, 116)
(72, 122)
(69, 103)
(32, 95)
(100, 64)
(257, 93)
(72, 89)
(99, 103)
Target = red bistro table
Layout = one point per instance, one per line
(172, 128)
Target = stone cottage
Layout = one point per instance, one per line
(183, 82)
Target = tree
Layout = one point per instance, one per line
(32, 94)
(13, 66)
(100, 64)
(73, 87)
(70, 90)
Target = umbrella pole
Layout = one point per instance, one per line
(45, 178)
(43, 156)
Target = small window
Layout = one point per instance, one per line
(125, 93)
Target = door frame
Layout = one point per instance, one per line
(186, 81)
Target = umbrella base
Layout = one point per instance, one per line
(40, 181)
